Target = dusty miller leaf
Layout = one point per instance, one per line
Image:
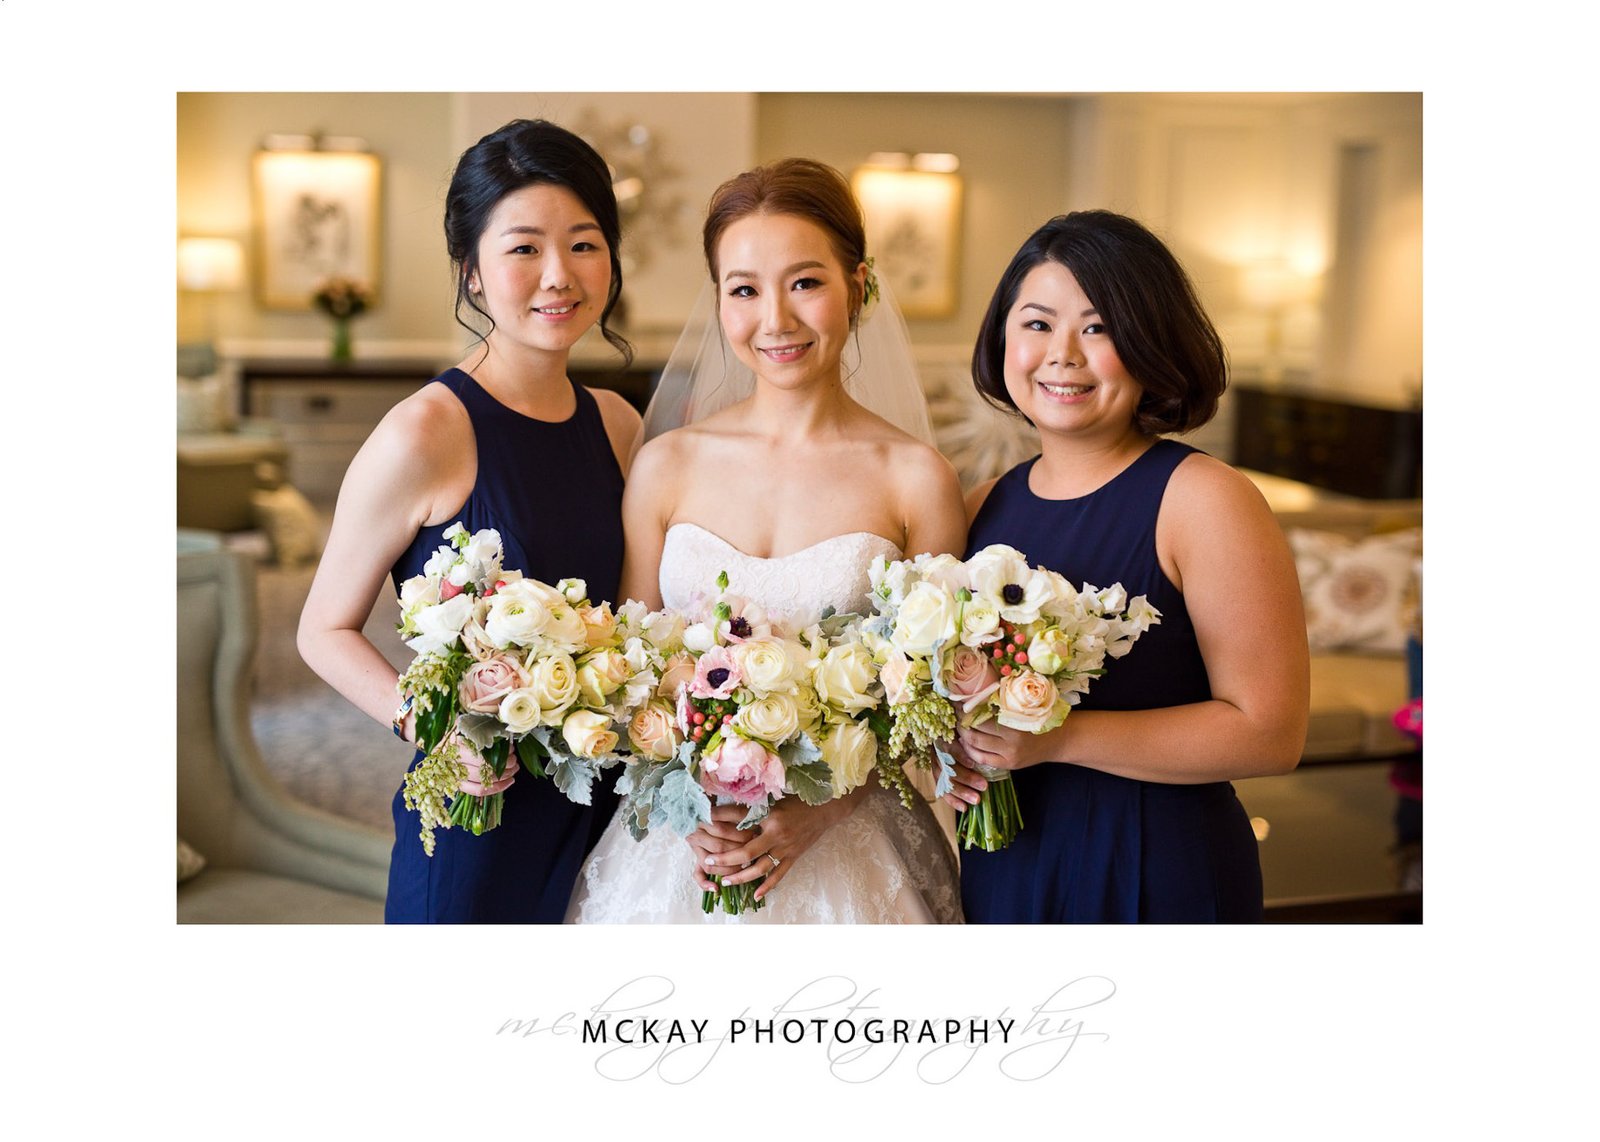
(947, 771)
(681, 802)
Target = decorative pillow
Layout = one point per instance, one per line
(189, 861)
(291, 523)
(204, 405)
(1359, 594)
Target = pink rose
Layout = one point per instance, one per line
(449, 590)
(485, 684)
(716, 675)
(654, 733)
(972, 677)
(742, 771)
(678, 673)
(1027, 701)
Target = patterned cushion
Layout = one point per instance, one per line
(1360, 594)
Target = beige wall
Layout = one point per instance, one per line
(1228, 180)
(1015, 168)
(218, 133)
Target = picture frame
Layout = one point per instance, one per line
(913, 222)
(317, 215)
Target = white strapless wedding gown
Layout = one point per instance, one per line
(883, 865)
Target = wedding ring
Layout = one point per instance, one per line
(775, 861)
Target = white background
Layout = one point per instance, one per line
(118, 1017)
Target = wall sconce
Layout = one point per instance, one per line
(912, 205)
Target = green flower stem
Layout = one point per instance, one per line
(994, 822)
(734, 898)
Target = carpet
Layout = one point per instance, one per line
(322, 749)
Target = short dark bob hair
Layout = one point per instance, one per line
(528, 152)
(1148, 305)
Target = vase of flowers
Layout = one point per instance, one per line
(342, 299)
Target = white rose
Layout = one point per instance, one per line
(554, 683)
(980, 622)
(575, 591)
(440, 625)
(808, 708)
(599, 675)
(942, 571)
(845, 676)
(851, 750)
(418, 591)
(566, 630)
(589, 734)
(926, 619)
(520, 711)
(774, 718)
(517, 617)
(699, 638)
(765, 663)
(1050, 650)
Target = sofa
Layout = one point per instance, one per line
(247, 852)
(1360, 568)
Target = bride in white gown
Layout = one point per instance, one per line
(793, 487)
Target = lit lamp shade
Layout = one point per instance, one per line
(210, 265)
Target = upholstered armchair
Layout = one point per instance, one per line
(266, 858)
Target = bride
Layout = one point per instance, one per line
(789, 483)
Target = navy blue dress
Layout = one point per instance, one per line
(554, 493)
(1096, 848)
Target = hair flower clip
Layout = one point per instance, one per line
(870, 293)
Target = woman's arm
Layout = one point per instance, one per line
(647, 503)
(622, 423)
(1220, 545)
(930, 491)
(421, 453)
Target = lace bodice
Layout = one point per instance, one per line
(832, 573)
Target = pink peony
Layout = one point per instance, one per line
(972, 677)
(742, 771)
(486, 683)
(716, 675)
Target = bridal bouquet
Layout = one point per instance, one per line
(510, 670)
(746, 709)
(991, 637)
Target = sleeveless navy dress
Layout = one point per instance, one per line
(554, 493)
(1094, 847)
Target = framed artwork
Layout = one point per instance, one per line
(914, 234)
(317, 216)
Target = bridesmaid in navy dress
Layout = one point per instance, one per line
(505, 440)
(1095, 335)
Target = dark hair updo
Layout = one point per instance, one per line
(801, 187)
(528, 152)
(1147, 303)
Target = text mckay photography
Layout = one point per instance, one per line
(854, 1033)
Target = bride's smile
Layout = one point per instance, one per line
(786, 298)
